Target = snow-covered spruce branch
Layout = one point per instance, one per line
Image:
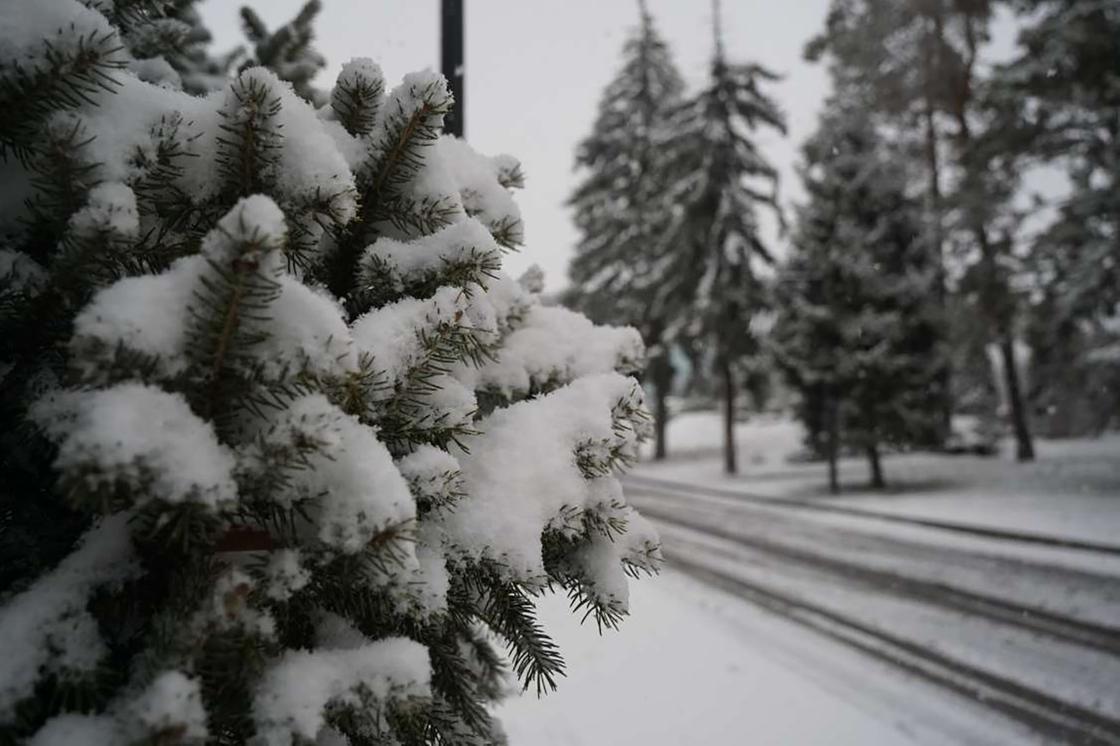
(245, 342)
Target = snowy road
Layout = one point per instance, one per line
(1022, 624)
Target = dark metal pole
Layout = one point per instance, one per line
(451, 62)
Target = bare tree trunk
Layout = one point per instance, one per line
(1024, 444)
(832, 446)
(730, 464)
(876, 465)
(660, 422)
(661, 372)
(1000, 311)
(937, 241)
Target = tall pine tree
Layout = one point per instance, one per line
(705, 279)
(618, 206)
(920, 61)
(286, 456)
(857, 327)
(1063, 92)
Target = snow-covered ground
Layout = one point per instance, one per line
(1071, 490)
(696, 665)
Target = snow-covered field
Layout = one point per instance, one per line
(1071, 490)
(697, 665)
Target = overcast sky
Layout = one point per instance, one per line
(535, 70)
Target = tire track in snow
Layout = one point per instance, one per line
(680, 489)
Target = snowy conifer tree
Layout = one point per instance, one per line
(857, 332)
(707, 283)
(1063, 87)
(286, 455)
(618, 206)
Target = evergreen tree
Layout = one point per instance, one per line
(857, 328)
(199, 71)
(618, 208)
(1063, 93)
(286, 456)
(705, 272)
(919, 61)
(287, 51)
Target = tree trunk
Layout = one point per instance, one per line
(876, 465)
(999, 308)
(730, 464)
(660, 423)
(661, 373)
(937, 238)
(1024, 444)
(832, 446)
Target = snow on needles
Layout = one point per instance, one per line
(172, 702)
(151, 314)
(294, 693)
(111, 207)
(303, 381)
(145, 314)
(139, 436)
(555, 344)
(26, 26)
(467, 242)
(521, 471)
(359, 490)
(50, 618)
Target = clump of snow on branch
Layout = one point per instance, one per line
(140, 436)
(289, 385)
(464, 244)
(296, 691)
(352, 478)
(555, 344)
(172, 703)
(518, 477)
(48, 625)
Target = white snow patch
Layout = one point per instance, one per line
(140, 436)
(357, 488)
(146, 314)
(47, 626)
(87, 730)
(172, 702)
(110, 208)
(294, 692)
(521, 470)
(554, 344)
(285, 574)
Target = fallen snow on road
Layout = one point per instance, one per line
(696, 666)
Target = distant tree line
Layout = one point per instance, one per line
(920, 262)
